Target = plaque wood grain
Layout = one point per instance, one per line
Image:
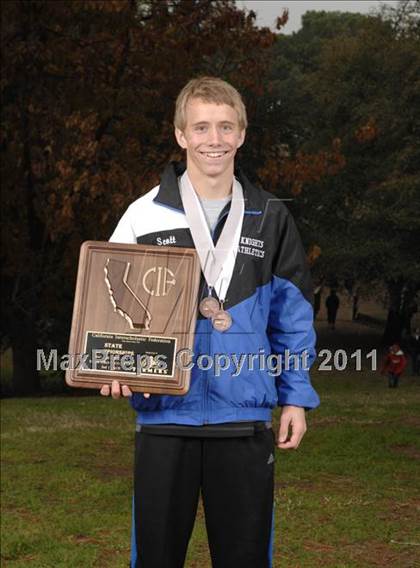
(137, 300)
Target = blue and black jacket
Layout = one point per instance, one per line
(269, 298)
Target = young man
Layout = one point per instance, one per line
(217, 439)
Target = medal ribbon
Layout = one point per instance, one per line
(213, 259)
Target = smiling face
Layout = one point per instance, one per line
(211, 137)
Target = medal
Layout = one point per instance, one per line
(221, 320)
(217, 261)
(208, 307)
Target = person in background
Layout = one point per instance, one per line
(332, 303)
(394, 364)
(393, 327)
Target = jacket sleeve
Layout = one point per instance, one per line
(290, 331)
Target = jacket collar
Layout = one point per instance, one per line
(169, 195)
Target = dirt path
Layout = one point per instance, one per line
(348, 335)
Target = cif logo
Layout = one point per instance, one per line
(157, 280)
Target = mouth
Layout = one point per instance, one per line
(214, 155)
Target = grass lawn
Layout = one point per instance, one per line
(348, 497)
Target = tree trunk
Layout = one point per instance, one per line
(25, 378)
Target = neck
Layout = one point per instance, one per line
(208, 187)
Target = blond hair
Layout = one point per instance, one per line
(210, 90)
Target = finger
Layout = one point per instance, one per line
(126, 390)
(115, 389)
(294, 441)
(296, 438)
(105, 390)
(146, 394)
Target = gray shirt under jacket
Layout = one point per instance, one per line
(212, 209)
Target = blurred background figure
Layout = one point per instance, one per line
(394, 364)
(332, 303)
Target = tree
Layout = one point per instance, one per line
(88, 94)
(353, 79)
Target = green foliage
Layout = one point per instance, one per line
(355, 78)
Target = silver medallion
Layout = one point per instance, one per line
(221, 320)
(209, 307)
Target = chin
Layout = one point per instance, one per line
(215, 170)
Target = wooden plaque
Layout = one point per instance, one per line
(135, 308)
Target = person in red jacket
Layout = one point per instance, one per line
(394, 364)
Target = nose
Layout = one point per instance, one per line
(214, 136)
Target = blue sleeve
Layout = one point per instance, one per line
(291, 334)
(291, 330)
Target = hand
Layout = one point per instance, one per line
(116, 390)
(293, 416)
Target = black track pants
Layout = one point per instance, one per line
(236, 479)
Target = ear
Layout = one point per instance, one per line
(180, 138)
(241, 137)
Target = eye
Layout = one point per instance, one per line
(200, 128)
(227, 127)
